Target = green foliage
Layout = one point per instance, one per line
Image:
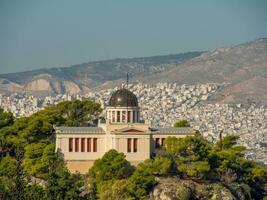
(112, 166)
(35, 192)
(198, 169)
(183, 193)
(34, 135)
(140, 183)
(63, 185)
(227, 142)
(6, 118)
(27, 149)
(38, 158)
(76, 113)
(158, 166)
(39, 126)
(8, 166)
(113, 178)
(190, 148)
(182, 123)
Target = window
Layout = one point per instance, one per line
(162, 141)
(95, 145)
(118, 116)
(70, 144)
(83, 145)
(123, 116)
(129, 145)
(113, 116)
(157, 143)
(133, 116)
(137, 116)
(109, 117)
(76, 144)
(88, 144)
(135, 144)
(129, 116)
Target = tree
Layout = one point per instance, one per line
(63, 185)
(182, 123)
(198, 169)
(6, 118)
(112, 165)
(158, 166)
(38, 158)
(141, 182)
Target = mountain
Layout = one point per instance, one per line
(86, 76)
(243, 69)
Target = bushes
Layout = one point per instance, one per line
(182, 123)
(183, 193)
(38, 158)
(158, 166)
(113, 177)
(198, 169)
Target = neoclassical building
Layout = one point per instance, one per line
(122, 130)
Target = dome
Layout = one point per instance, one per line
(123, 98)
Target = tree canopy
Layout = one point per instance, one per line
(31, 139)
(182, 123)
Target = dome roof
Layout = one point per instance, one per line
(123, 98)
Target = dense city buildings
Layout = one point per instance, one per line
(163, 104)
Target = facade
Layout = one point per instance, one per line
(122, 130)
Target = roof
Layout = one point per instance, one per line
(123, 98)
(65, 129)
(173, 130)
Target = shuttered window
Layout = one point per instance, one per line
(70, 144)
(94, 144)
(162, 141)
(76, 144)
(135, 144)
(83, 145)
(129, 145)
(88, 144)
(157, 143)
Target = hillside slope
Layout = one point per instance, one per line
(88, 75)
(242, 67)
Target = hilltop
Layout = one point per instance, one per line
(241, 68)
(83, 77)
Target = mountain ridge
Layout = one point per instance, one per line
(243, 69)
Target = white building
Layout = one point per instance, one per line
(122, 130)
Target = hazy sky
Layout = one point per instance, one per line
(55, 33)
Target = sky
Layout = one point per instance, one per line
(58, 33)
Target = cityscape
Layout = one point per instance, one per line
(164, 104)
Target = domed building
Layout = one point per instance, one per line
(123, 131)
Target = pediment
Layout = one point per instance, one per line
(130, 130)
(133, 130)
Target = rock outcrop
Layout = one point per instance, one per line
(178, 189)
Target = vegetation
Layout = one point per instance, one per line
(30, 168)
(27, 151)
(182, 123)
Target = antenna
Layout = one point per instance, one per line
(220, 136)
(127, 85)
(127, 80)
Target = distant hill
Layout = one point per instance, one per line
(243, 67)
(86, 76)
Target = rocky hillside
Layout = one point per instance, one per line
(88, 75)
(171, 188)
(243, 68)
